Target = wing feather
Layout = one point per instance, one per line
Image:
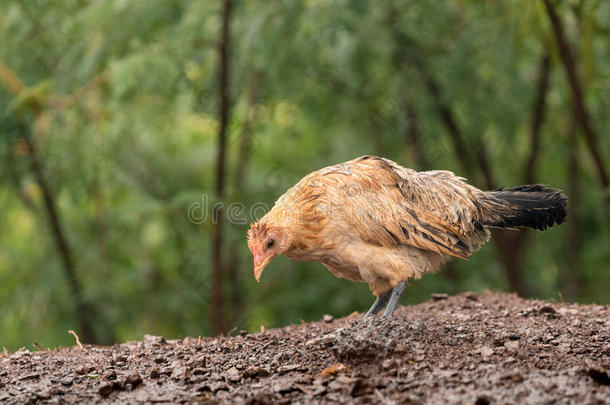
(390, 205)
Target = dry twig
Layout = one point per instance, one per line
(77, 339)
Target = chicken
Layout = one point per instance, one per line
(370, 220)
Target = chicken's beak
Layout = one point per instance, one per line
(260, 262)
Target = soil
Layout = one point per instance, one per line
(488, 348)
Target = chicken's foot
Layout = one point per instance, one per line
(379, 303)
(396, 292)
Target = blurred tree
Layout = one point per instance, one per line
(29, 104)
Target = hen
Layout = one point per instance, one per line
(371, 220)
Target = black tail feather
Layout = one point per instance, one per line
(533, 205)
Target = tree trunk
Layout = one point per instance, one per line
(511, 244)
(84, 311)
(245, 149)
(571, 280)
(217, 312)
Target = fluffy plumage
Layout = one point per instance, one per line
(371, 220)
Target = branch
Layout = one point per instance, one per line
(16, 181)
(68, 101)
(82, 308)
(245, 138)
(15, 86)
(484, 165)
(580, 110)
(449, 120)
(414, 136)
(460, 143)
(10, 80)
(409, 52)
(539, 109)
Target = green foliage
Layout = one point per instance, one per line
(127, 137)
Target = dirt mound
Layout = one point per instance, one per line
(471, 348)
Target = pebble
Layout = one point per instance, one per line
(105, 389)
(255, 371)
(134, 379)
(233, 375)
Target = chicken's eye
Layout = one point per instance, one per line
(270, 243)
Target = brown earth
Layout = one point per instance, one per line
(472, 348)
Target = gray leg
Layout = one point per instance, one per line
(378, 304)
(396, 293)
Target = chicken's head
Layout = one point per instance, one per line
(265, 242)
